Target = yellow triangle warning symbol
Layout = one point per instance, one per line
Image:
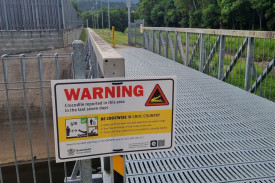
(157, 98)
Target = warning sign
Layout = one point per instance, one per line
(103, 117)
(157, 97)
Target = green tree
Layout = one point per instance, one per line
(75, 5)
(260, 6)
(269, 15)
(211, 14)
(235, 14)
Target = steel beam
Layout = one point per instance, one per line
(210, 57)
(194, 50)
(201, 52)
(264, 74)
(183, 58)
(221, 56)
(249, 62)
(156, 42)
(171, 46)
(234, 61)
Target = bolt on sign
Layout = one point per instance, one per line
(103, 117)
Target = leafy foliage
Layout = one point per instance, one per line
(228, 14)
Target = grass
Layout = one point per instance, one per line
(120, 37)
(83, 36)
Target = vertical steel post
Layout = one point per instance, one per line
(176, 46)
(167, 45)
(109, 19)
(58, 14)
(129, 33)
(36, 13)
(201, 52)
(153, 39)
(87, 23)
(113, 32)
(135, 33)
(63, 14)
(102, 18)
(144, 39)
(221, 57)
(6, 15)
(160, 32)
(79, 73)
(128, 4)
(187, 48)
(249, 62)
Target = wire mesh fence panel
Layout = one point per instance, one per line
(26, 125)
(34, 14)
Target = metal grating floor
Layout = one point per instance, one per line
(223, 134)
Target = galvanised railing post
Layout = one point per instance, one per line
(167, 44)
(58, 14)
(176, 46)
(136, 33)
(144, 39)
(148, 40)
(249, 62)
(63, 14)
(153, 39)
(187, 48)
(6, 16)
(160, 32)
(79, 73)
(201, 52)
(221, 57)
(129, 33)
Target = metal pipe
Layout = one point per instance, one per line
(5, 13)
(39, 59)
(109, 23)
(102, 18)
(23, 71)
(10, 120)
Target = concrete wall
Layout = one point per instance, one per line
(14, 42)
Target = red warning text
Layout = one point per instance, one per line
(103, 92)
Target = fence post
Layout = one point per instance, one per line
(160, 32)
(6, 16)
(221, 57)
(187, 48)
(201, 52)
(167, 45)
(129, 34)
(176, 46)
(144, 39)
(136, 33)
(249, 61)
(63, 14)
(58, 15)
(79, 73)
(153, 39)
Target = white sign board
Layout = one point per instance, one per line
(103, 117)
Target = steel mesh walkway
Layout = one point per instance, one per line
(223, 134)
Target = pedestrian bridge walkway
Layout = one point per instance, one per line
(223, 133)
